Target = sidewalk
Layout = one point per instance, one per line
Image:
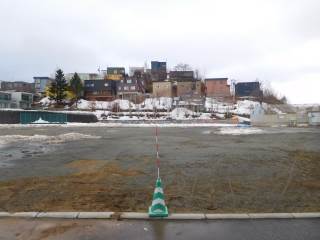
(87, 229)
(145, 216)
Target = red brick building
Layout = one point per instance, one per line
(217, 87)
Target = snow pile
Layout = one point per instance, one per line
(181, 113)
(86, 105)
(244, 107)
(220, 115)
(213, 105)
(205, 116)
(101, 114)
(46, 102)
(162, 103)
(122, 104)
(243, 119)
(239, 131)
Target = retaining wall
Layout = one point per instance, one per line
(13, 116)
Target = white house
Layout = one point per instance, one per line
(22, 100)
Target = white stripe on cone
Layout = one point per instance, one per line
(158, 190)
(158, 211)
(157, 201)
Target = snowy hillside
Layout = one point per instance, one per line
(214, 108)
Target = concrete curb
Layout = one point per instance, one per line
(95, 215)
(270, 215)
(145, 216)
(211, 216)
(306, 215)
(71, 215)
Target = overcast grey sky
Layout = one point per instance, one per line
(277, 41)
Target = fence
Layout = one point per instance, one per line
(51, 117)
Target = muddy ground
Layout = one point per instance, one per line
(203, 170)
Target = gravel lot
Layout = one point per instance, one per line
(206, 169)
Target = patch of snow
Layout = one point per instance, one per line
(205, 116)
(181, 113)
(240, 131)
(46, 101)
(243, 119)
(161, 103)
(244, 107)
(7, 139)
(40, 121)
(207, 132)
(220, 115)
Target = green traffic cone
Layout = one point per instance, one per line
(158, 207)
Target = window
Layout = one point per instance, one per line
(129, 81)
(90, 85)
(133, 88)
(106, 84)
(25, 97)
(126, 88)
(119, 88)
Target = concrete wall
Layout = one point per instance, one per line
(314, 118)
(9, 117)
(290, 119)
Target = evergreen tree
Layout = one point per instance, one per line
(57, 90)
(76, 87)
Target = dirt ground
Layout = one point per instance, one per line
(288, 182)
(99, 186)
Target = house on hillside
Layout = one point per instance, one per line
(41, 84)
(188, 89)
(83, 76)
(131, 88)
(181, 76)
(158, 71)
(162, 89)
(116, 73)
(276, 115)
(17, 86)
(217, 87)
(248, 90)
(5, 100)
(100, 90)
(135, 70)
(11, 99)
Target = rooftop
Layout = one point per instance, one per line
(216, 79)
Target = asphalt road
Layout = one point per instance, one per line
(108, 229)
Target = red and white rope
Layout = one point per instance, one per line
(157, 150)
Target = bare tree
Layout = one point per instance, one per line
(198, 75)
(183, 67)
(269, 95)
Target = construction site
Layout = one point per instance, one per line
(203, 169)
